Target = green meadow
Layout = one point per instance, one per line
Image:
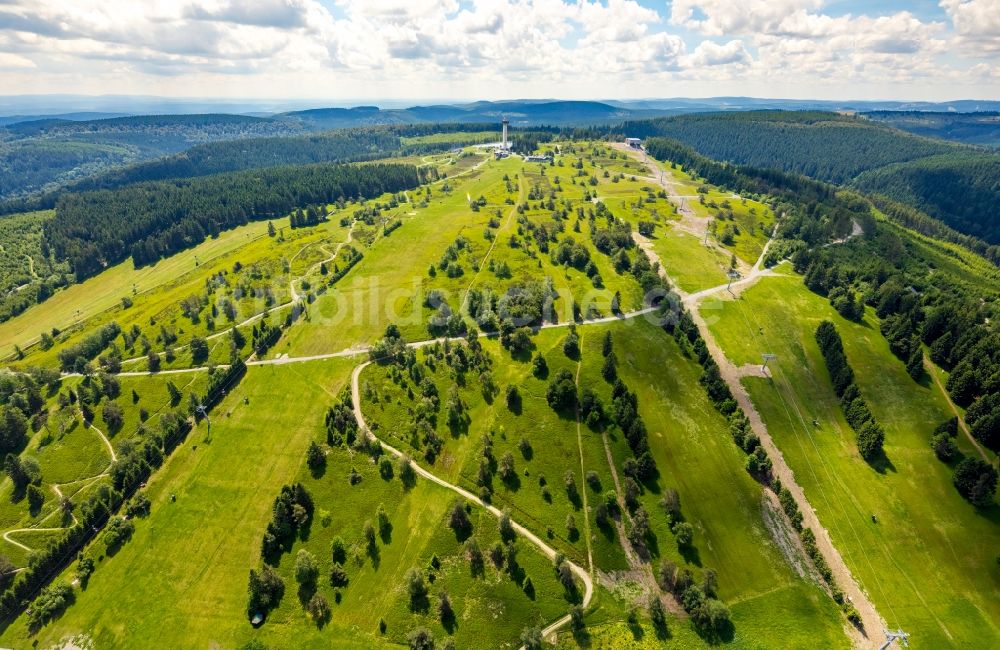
(929, 562)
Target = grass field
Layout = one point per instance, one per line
(203, 545)
(693, 451)
(696, 456)
(381, 289)
(182, 579)
(491, 609)
(74, 459)
(929, 563)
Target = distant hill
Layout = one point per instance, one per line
(52, 152)
(958, 184)
(520, 113)
(39, 155)
(981, 128)
(6, 120)
(827, 146)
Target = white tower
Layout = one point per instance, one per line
(503, 140)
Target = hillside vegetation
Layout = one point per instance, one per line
(451, 399)
(951, 182)
(961, 190)
(981, 128)
(826, 146)
(37, 154)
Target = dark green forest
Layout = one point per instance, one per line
(38, 154)
(961, 190)
(826, 146)
(982, 128)
(155, 219)
(957, 184)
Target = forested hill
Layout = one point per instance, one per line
(981, 128)
(961, 190)
(41, 154)
(344, 145)
(955, 183)
(152, 220)
(827, 146)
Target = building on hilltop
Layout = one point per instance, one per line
(635, 143)
(502, 150)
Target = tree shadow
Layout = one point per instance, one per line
(515, 405)
(690, 554)
(375, 555)
(652, 543)
(306, 591)
(725, 632)
(420, 603)
(522, 355)
(661, 630)
(318, 471)
(449, 622)
(637, 632)
(512, 482)
(881, 463)
(607, 530)
(385, 533)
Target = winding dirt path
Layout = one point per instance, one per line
(583, 478)
(107, 443)
(549, 552)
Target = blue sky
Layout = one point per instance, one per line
(339, 50)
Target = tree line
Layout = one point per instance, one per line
(150, 221)
(925, 294)
(871, 435)
(821, 145)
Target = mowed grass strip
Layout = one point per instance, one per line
(929, 563)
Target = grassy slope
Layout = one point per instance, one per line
(696, 456)
(928, 563)
(389, 284)
(76, 459)
(491, 609)
(183, 575)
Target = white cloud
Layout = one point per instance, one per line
(976, 23)
(494, 47)
(10, 61)
(709, 53)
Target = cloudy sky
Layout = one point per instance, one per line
(490, 49)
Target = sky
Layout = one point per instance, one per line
(343, 50)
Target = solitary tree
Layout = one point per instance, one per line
(416, 588)
(306, 568)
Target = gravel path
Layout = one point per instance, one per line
(872, 622)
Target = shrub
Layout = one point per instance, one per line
(306, 569)
(318, 608)
(561, 393)
(49, 603)
(976, 480)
